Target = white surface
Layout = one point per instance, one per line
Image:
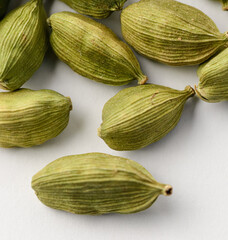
(193, 158)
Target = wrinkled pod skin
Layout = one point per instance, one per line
(29, 118)
(97, 183)
(93, 50)
(23, 44)
(95, 8)
(213, 83)
(3, 7)
(171, 32)
(138, 116)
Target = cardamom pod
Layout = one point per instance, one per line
(97, 183)
(29, 118)
(93, 50)
(138, 116)
(213, 84)
(171, 32)
(23, 44)
(3, 7)
(95, 8)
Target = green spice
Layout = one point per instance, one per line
(97, 183)
(95, 8)
(213, 84)
(93, 50)
(138, 116)
(29, 118)
(23, 44)
(171, 32)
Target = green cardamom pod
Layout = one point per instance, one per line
(29, 118)
(23, 44)
(213, 83)
(138, 116)
(95, 8)
(3, 7)
(171, 32)
(93, 50)
(97, 183)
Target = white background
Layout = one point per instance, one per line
(193, 158)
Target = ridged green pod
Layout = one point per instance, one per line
(138, 116)
(96, 8)
(171, 32)
(23, 44)
(29, 118)
(93, 50)
(3, 7)
(213, 83)
(97, 183)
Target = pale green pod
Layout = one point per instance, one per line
(23, 44)
(171, 32)
(96, 8)
(93, 50)
(97, 183)
(29, 117)
(138, 116)
(213, 83)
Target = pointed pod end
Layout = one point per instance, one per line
(190, 90)
(3, 86)
(142, 79)
(71, 106)
(49, 22)
(167, 190)
(99, 132)
(199, 94)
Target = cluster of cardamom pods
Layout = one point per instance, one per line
(167, 31)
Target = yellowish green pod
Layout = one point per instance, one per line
(23, 44)
(93, 50)
(171, 32)
(97, 183)
(138, 116)
(213, 83)
(29, 118)
(96, 8)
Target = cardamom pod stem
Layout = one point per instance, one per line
(97, 183)
(138, 116)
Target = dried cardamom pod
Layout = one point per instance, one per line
(138, 116)
(97, 183)
(224, 4)
(171, 32)
(3, 7)
(23, 44)
(96, 8)
(93, 50)
(29, 118)
(213, 84)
